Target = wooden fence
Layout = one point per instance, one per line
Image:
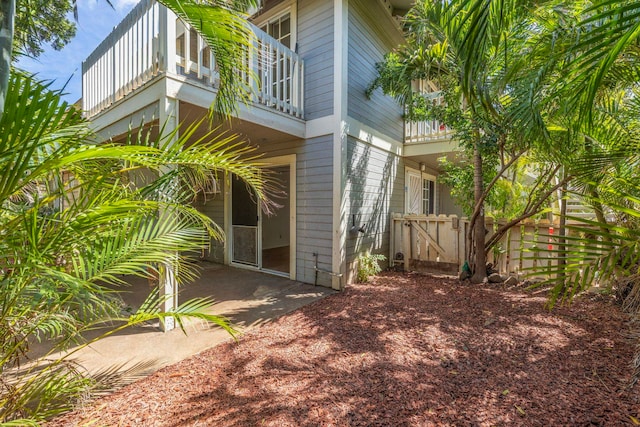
(438, 243)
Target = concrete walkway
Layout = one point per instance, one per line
(246, 298)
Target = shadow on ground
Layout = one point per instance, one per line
(246, 298)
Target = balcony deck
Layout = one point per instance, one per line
(151, 42)
(425, 132)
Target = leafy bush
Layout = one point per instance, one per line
(368, 265)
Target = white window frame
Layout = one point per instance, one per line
(423, 177)
(278, 12)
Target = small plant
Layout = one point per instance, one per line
(368, 265)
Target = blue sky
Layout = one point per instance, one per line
(96, 19)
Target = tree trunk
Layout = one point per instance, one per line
(480, 256)
(7, 11)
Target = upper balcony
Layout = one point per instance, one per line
(428, 139)
(428, 130)
(425, 132)
(151, 41)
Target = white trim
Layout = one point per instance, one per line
(340, 87)
(277, 12)
(289, 160)
(169, 116)
(143, 117)
(183, 89)
(286, 160)
(189, 91)
(423, 175)
(226, 252)
(373, 137)
(148, 94)
(320, 127)
(430, 148)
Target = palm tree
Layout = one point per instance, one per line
(479, 94)
(72, 221)
(72, 224)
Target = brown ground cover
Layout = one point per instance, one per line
(406, 350)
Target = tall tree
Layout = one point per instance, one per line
(43, 22)
(477, 92)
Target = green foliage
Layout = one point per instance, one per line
(75, 216)
(40, 22)
(369, 265)
(596, 253)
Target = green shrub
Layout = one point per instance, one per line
(368, 265)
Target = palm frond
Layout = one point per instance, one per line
(230, 38)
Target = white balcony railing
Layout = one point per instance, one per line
(151, 40)
(427, 130)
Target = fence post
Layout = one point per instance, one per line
(406, 243)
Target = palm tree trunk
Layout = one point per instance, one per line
(7, 11)
(480, 256)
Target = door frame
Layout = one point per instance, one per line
(409, 171)
(287, 160)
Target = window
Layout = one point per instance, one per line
(280, 29)
(193, 42)
(428, 196)
(420, 193)
(274, 65)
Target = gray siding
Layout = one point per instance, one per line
(314, 209)
(212, 205)
(315, 46)
(374, 189)
(367, 46)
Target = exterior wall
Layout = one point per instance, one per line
(370, 38)
(315, 46)
(374, 189)
(213, 206)
(314, 183)
(374, 177)
(444, 202)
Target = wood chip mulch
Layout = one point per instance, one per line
(405, 350)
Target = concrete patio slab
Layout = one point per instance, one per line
(247, 298)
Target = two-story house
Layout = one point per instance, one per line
(347, 161)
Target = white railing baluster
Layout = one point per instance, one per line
(428, 130)
(199, 56)
(144, 44)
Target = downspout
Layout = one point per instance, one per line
(320, 270)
